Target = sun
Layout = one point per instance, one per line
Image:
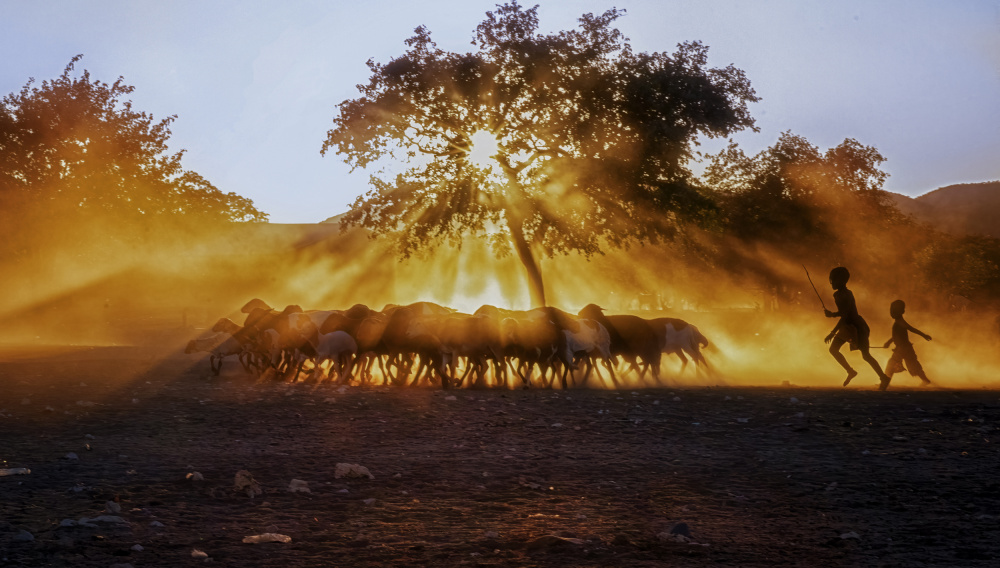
(483, 147)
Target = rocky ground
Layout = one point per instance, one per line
(134, 461)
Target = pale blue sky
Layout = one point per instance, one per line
(255, 84)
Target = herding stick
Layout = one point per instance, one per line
(814, 287)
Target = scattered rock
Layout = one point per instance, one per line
(157, 524)
(245, 483)
(267, 537)
(850, 535)
(137, 548)
(552, 541)
(195, 553)
(681, 529)
(493, 535)
(71, 457)
(299, 486)
(108, 519)
(620, 540)
(351, 470)
(369, 502)
(24, 536)
(195, 476)
(671, 537)
(112, 507)
(523, 482)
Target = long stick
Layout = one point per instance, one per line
(814, 287)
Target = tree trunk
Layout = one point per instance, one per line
(534, 272)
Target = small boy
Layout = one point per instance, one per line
(904, 353)
(851, 329)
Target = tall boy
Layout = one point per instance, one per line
(851, 328)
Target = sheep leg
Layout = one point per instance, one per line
(589, 363)
(347, 364)
(461, 380)
(611, 371)
(442, 370)
(684, 360)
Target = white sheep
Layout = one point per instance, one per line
(339, 348)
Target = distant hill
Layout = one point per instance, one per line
(965, 208)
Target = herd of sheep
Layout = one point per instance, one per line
(428, 343)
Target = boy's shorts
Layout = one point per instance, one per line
(851, 335)
(904, 354)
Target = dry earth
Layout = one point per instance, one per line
(757, 476)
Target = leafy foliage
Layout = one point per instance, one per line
(967, 266)
(73, 148)
(792, 190)
(593, 138)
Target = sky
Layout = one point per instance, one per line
(255, 84)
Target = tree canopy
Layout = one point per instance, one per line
(793, 192)
(589, 141)
(74, 147)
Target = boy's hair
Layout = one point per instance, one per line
(840, 274)
(897, 307)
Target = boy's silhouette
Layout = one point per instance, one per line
(904, 353)
(851, 328)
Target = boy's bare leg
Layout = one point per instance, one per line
(882, 377)
(835, 351)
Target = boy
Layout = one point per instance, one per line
(851, 328)
(904, 349)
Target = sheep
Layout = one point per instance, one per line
(219, 346)
(338, 347)
(590, 342)
(679, 337)
(400, 344)
(247, 338)
(632, 338)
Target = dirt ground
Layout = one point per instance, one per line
(664, 477)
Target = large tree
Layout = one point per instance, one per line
(74, 149)
(546, 143)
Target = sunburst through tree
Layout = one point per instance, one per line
(544, 144)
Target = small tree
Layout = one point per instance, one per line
(544, 143)
(73, 149)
